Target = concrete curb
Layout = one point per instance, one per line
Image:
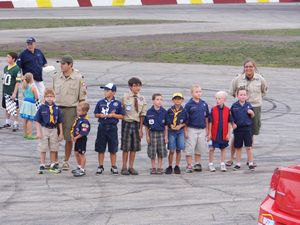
(91, 3)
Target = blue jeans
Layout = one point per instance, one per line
(176, 140)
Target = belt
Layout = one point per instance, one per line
(66, 107)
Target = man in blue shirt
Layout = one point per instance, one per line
(32, 60)
(108, 111)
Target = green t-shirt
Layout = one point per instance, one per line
(10, 77)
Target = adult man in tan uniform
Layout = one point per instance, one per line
(69, 89)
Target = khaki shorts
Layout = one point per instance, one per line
(256, 121)
(196, 142)
(68, 115)
(49, 142)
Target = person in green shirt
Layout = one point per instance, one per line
(11, 81)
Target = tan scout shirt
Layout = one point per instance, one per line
(69, 91)
(128, 106)
(257, 87)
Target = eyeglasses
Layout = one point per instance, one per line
(248, 66)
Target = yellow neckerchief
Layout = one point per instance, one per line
(75, 122)
(51, 114)
(174, 110)
(9, 67)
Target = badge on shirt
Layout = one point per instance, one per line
(128, 106)
(115, 104)
(151, 121)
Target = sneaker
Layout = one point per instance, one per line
(223, 167)
(169, 170)
(75, 170)
(54, 169)
(114, 170)
(211, 167)
(132, 171)
(159, 171)
(254, 164)
(125, 171)
(7, 125)
(79, 173)
(236, 167)
(100, 170)
(153, 171)
(198, 167)
(229, 163)
(30, 137)
(15, 127)
(47, 166)
(41, 169)
(65, 166)
(189, 169)
(177, 170)
(251, 167)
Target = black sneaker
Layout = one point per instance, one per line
(198, 167)
(41, 170)
(79, 173)
(169, 170)
(100, 170)
(251, 167)
(254, 164)
(7, 125)
(114, 170)
(177, 170)
(75, 170)
(236, 167)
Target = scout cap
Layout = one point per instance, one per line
(30, 40)
(177, 94)
(110, 86)
(66, 59)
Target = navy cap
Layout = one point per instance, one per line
(110, 86)
(30, 40)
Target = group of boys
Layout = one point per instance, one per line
(181, 128)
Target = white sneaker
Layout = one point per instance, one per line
(211, 167)
(223, 167)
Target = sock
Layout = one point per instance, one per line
(42, 165)
(8, 121)
(16, 123)
(82, 169)
(238, 164)
(211, 164)
(222, 163)
(52, 165)
(251, 163)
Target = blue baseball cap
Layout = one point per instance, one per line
(30, 40)
(110, 86)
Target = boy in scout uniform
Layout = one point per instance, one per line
(108, 111)
(134, 105)
(69, 89)
(256, 87)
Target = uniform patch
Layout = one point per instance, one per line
(115, 104)
(151, 121)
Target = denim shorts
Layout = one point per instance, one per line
(176, 140)
(107, 135)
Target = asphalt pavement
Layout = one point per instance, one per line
(199, 198)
